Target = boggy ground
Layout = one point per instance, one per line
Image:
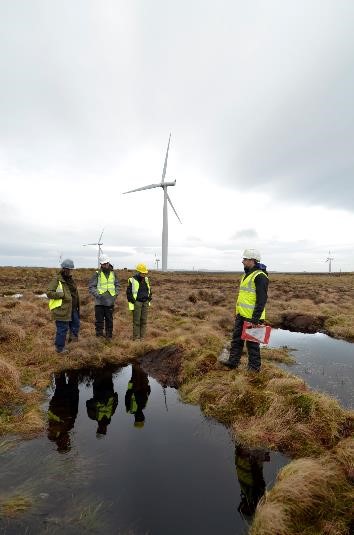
(190, 320)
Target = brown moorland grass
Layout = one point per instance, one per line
(194, 312)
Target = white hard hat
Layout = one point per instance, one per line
(104, 259)
(252, 254)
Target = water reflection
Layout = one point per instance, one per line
(63, 409)
(104, 401)
(137, 395)
(249, 469)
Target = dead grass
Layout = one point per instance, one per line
(311, 496)
(195, 313)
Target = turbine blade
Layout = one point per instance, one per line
(84, 244)
(173, 208)
(166, 158)
(100, 238)
(144, 187)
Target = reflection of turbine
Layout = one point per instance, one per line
(164, 185)
(99, 243)
(329, 259)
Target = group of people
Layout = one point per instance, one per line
(104, 286)
(64, 405)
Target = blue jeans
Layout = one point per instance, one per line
(63, 327)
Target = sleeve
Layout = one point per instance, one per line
(261, 283)
(51, 290)
(130, 293)
(92, 287)
(116, 284)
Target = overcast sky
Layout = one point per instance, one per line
(258, 97)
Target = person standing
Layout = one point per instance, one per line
(137, 395)
(139, 296)
(104, 286)
(104, 401)
(250, 306)
(64, 304)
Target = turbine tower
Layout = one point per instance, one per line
(164, 185)
(329, 259)
(99, 243)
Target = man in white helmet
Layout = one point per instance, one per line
(250, 306)
(104, 286)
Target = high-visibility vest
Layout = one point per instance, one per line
(133, 404)
(135, 288)
(55, 303)
(246, 299)
(105, 285)
(104, 409)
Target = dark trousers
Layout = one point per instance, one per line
(63, 327)
(140, 314)
(254, 354)
(104, 320)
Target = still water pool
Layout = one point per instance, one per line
(123, 455)
(325, 363)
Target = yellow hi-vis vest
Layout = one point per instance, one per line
(55, 303)
(105, 285)
(104, 409)
(135, 289)
(246, 299)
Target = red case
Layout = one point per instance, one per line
(259, 334)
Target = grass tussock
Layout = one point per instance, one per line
(308, 489)
(15, 505)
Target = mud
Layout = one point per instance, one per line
(164, 365)
(304, 323)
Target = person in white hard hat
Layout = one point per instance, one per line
(104, 286)
(64, 303)
(250, 306)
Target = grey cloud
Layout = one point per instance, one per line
(245, 234)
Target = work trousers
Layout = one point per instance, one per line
(254, 354)
(140, 314)
(104, 320)
(73, 326)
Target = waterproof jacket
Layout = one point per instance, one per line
(64, 311)
(261, 282)
(105, 299)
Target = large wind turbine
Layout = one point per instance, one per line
(99, 243)
(164, 185)
(329, 259)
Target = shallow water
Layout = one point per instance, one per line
(150, 465)
(325, 363)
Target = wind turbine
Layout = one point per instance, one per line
(157, 260)
(329, 259)
(164, 185)
(99, 243)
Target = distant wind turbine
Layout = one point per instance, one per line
(99, 243)
(329, 259)
(164, 185)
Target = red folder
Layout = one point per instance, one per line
(260, 334)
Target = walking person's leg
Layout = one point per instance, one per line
(62, 328)
(99, 317)
(236, 343)
(108, 316)
(143, 318)
(136, 319)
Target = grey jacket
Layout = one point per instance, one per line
(105, 299)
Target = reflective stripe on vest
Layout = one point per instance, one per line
(246, 299)
(135, 288)
(55, 303)
(106, 285)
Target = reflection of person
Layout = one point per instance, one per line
(104, 286)
(63, 409)
(139, 297)
(64, 304)
(137, 395)
(250, 306)
(104, 401)
(249, 468)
